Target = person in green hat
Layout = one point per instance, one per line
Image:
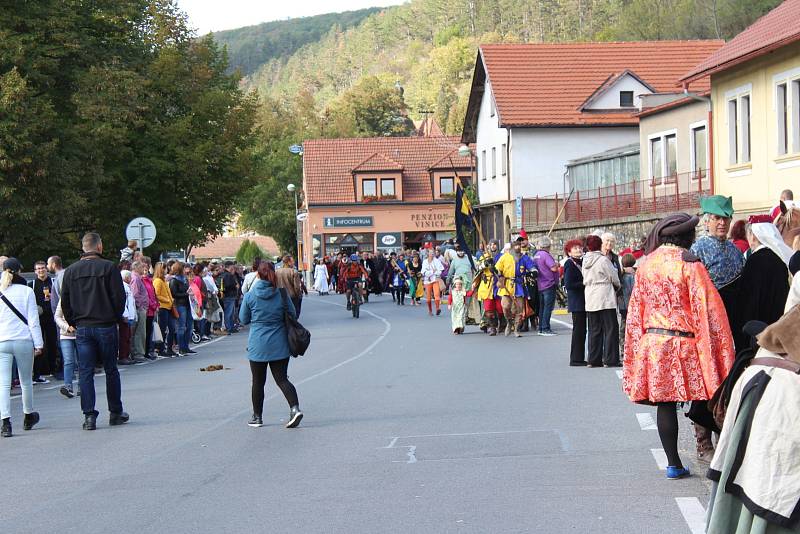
(724, 262)
(721, 257)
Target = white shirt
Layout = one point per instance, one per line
(130, 303)
(211, 285)
(249, 279)
(431, 270)
(11, 327)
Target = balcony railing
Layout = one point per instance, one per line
(644, 197)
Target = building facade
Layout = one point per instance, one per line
(379, 194)
(535, 107)
(755, 95)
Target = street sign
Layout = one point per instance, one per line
(296, 149)
(336, 222)
(518, 211)
(302, 216)
(142, 230)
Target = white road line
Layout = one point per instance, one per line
(660, 457)
(619, 373)
(693, 513)
(562, 323)
(472, 434)
(646, 421)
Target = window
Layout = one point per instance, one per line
(782, 112)
(504, 160)
(733, 132)
(672, 155)
(744, 120)
(656, 160)
(494, 162)
(369, 188)
(446, 186)
(387, 187)
(626, 99)
(483, 165)
(699, 148)
(796, 116)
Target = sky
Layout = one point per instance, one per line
(216, 15)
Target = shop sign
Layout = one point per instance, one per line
(388, 240)
(337, 222)
(432, 220)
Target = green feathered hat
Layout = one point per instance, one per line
(717, 205)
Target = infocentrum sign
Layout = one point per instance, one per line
(338, 222)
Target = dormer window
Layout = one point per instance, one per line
(369, 188)
(626, 99)
(387, 188)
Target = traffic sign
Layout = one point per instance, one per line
(302, 216)
(142, 230)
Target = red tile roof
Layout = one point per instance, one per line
(778, 28)
(546, 84)
(227, 247)
(328, 165)
(377, 162)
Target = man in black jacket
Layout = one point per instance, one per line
(93, 300)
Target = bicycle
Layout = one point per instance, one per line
(356, 299)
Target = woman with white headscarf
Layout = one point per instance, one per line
(764, 284)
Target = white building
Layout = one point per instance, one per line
(535, 107)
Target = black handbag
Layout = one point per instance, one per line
(299, 338)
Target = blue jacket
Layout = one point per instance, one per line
(263, 309)
(573, 283)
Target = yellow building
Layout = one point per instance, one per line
(755, 98)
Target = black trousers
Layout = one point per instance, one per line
(298, 302)
(48, 362)
(603, 338)
(577, 351)
(279, 369)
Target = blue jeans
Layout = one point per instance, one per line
(228, 307)
(168, 326)
(185, 324)
(547, 300)
(96, 343)
(68, 353)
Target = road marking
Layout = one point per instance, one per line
(472, 434)
(646, 421)
(619, 373)
(391, 443)
(693, 513)
(562, 323)
(660, 457)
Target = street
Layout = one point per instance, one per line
(407, 428)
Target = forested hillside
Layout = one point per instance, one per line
(429, 45)
(252, 46)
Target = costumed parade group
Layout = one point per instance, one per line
(710, 323)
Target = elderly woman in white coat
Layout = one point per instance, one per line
(601, 282)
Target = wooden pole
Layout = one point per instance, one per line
(459, 184)
(560, 212)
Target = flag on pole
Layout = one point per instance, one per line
(464, 219)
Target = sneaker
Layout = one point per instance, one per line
(295, 416)
(6, 430)
(40, 380)
(255, 421)
(190, 351)
(438, 312)
(205, 338)
(549, 333)
(30, 420)
(150, 356)
(118, 418)
(674, 473)
(492, 331)
(67, 391)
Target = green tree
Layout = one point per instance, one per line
(373, 107)
(249, 251)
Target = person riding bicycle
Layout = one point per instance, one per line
(353, 273)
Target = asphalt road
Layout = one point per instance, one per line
(407, 429)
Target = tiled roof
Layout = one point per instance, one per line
(378, 162)
(328, 165)
(227, 247)
(546, 84)
(428, 127)
(779, 27)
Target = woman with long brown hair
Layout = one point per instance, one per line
(263, 309)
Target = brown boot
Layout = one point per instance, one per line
(705, 447)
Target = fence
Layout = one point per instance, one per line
(657, 195)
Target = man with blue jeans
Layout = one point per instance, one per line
(548, 278)
(229, 288)
(93, 300)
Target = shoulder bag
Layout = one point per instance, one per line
(299, 338)
(14, 309)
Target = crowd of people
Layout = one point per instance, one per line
(96, 314)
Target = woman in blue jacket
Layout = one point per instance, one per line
(576, 304)
(267, 344)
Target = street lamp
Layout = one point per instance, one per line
(293, 189)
